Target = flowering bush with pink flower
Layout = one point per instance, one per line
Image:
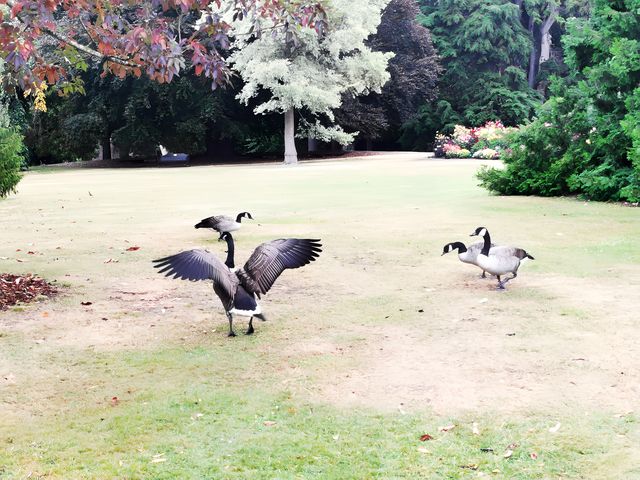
(489, 139)
(486, 153)
(463, 136)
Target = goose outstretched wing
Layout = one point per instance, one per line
(200, 264)
(270, 259)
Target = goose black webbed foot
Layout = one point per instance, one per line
(231, 332)
(484, 275)
(250, 329)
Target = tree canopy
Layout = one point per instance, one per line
(46, 41)
(413, 70)
(313, 76)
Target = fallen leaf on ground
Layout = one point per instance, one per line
(132, 249)
(555, 428)
(446, 428)
(426, 437)
(269, 423)
(114, 401)
(533, 456)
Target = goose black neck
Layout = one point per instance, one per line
(239, 217)
(460, 246)
(487, 243)
(230, 251)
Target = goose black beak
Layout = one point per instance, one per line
(473, 234)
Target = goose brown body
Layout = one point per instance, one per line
(223, 223)
(499, 261)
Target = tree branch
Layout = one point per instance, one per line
(87, 50)
(77, 45)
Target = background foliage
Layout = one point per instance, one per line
(11, 147)
(586, 138)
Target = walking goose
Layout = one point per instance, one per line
(240, 288)
(223, 223)
(499, 260)
(467, 255)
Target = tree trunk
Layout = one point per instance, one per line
(290, 153)
(534, 58)
(541, 44)
(545, 35)
(312, 145)
(106, 148)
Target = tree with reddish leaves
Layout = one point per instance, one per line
(45, 41)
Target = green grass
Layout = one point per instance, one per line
(192, 403)
(200, 425)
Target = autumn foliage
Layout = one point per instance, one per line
(46, 41)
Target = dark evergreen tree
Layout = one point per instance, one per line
(485, 52)
(414, 72)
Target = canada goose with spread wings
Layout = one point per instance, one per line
(240, 288)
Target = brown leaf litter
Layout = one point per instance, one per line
(16, 289)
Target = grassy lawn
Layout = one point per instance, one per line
(379, 342)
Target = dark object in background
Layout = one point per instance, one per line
(174, 158)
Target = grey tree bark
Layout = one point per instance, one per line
(541, 43)
(290, 153)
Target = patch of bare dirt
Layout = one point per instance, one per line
(485, 358)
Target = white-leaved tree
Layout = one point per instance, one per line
(314, 74)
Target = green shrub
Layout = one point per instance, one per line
(586, 137)
(10, 160)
